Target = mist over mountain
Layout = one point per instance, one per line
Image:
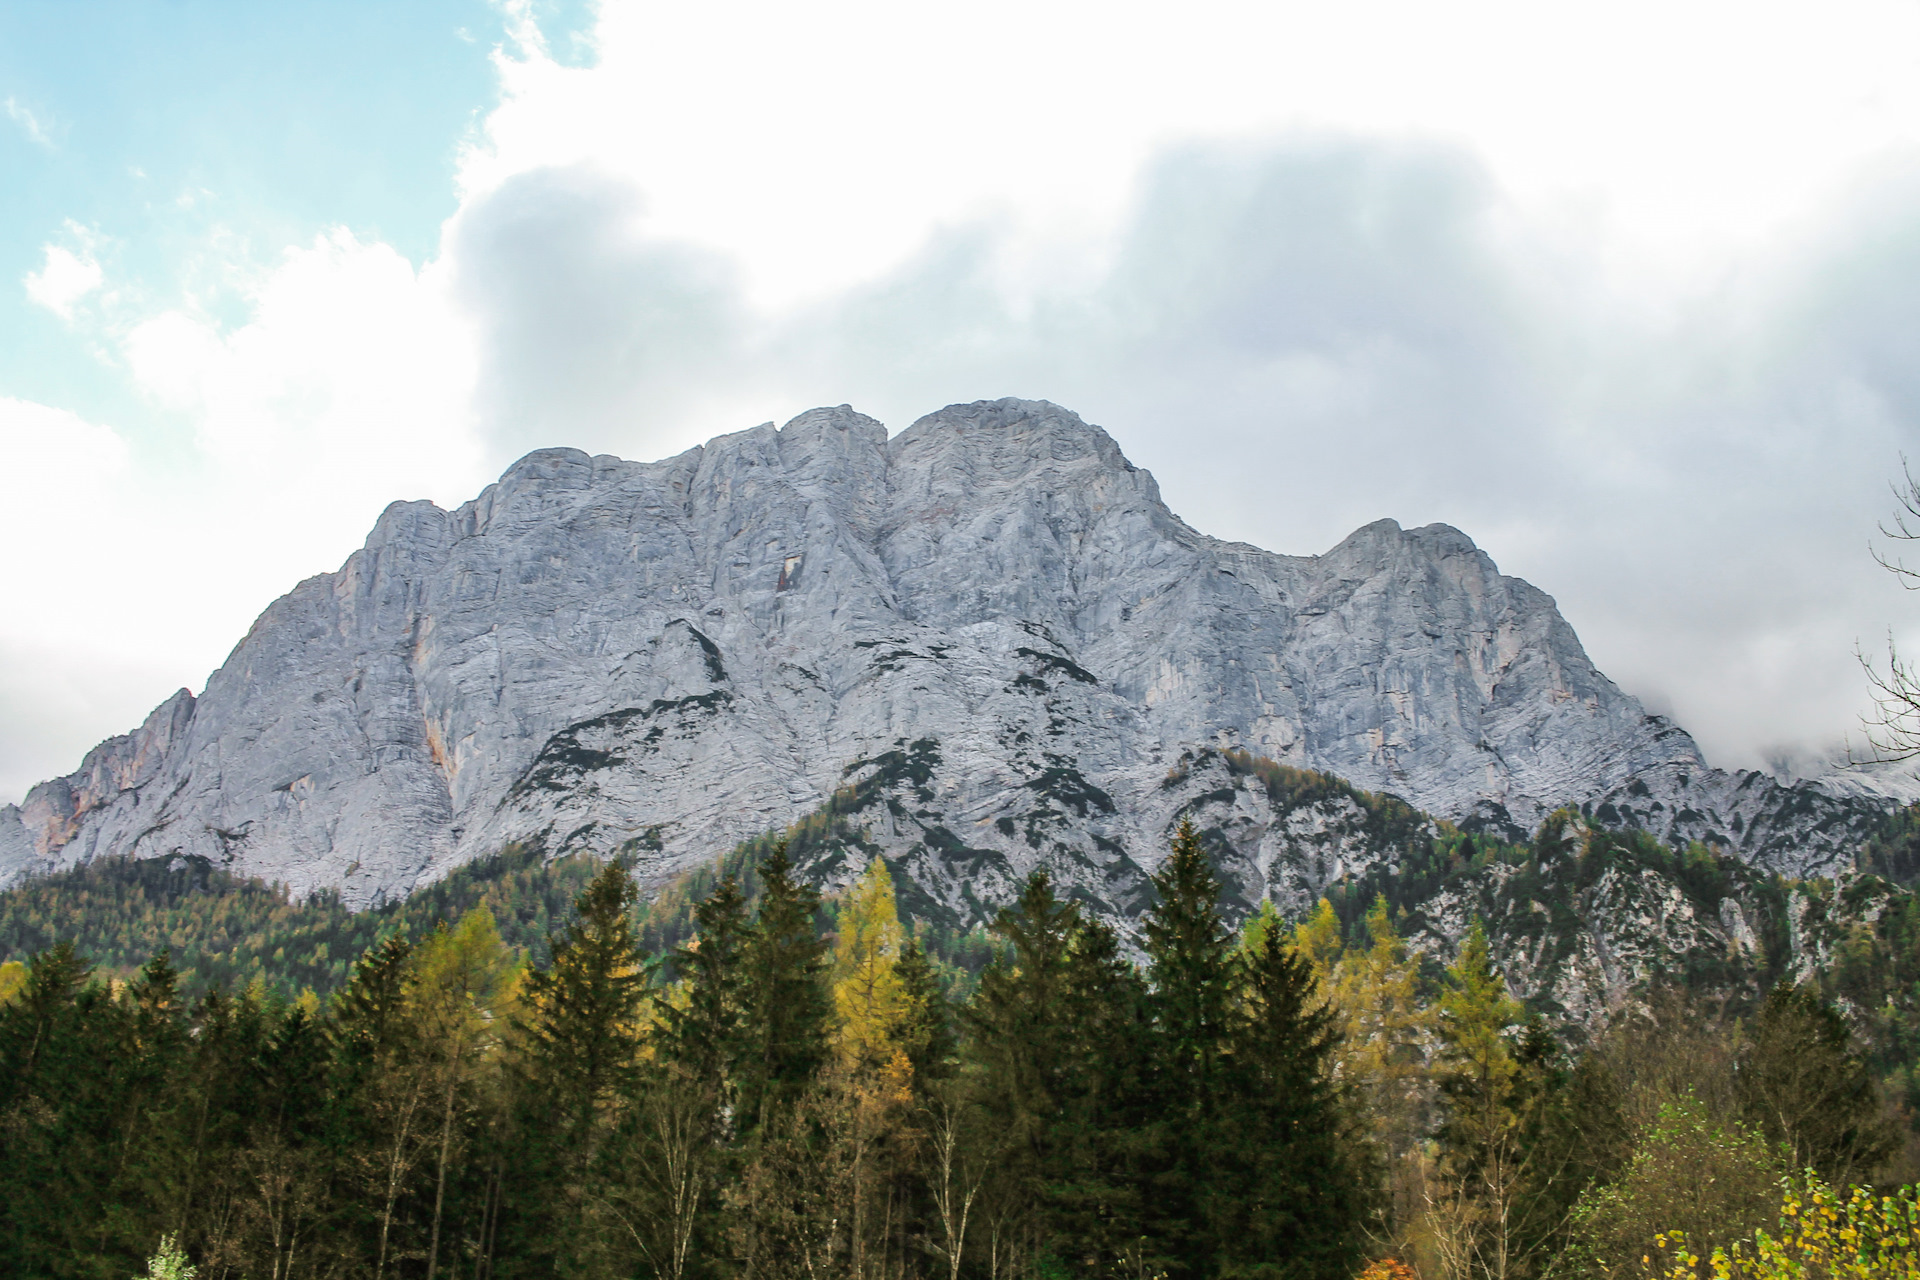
(980, 646)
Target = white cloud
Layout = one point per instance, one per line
(349, 386)
(64, 278)
(1587, 284)
(130, 573)
(29, 123)
(73, 658)
(821, 144)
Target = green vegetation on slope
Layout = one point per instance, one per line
(226, 931)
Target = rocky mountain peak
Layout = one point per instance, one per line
(982, 645)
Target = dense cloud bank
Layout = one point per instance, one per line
(1297, 335)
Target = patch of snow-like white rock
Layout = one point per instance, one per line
(987, 636)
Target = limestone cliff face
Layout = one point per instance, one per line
(982, 645)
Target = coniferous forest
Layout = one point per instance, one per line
(769, 1085)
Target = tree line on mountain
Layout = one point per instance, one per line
(769, 1097)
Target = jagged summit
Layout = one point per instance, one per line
(983, 644)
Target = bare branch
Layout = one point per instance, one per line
(1893, 730)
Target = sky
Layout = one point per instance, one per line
(1630, 293)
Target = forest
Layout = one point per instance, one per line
(749, 1081)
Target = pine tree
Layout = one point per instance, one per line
(58, 1040)
(1190, 953)
(575, 1061)
(1025, 1062)
(580, 1029)
(373, 1111)
(1107, 1136)
(703, 1032)
(1194, 982)
(926, 1030)
(1019, 1014)
(1288, 1194)
(792, 1188)
(30, 1024)
(784, 995)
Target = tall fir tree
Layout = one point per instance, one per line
(1194, 980)
(576, 1055)
(1105, 1136)
(1024, 1064)
(703, 1031)
(1288, 1196)
(784, 995)
(1191, 968)
(926, 1031)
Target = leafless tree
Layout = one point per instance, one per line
(959, 1170)
(1893, 729)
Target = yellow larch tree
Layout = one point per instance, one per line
(1318, 939)
(876, 1078)
(867, 992)
(1389, 1037)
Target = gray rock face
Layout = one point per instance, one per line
(979, 646)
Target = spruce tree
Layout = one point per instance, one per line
(1193, 976)
(1021, 1034)
(786, 1006)
(580, 1033)
(370, 1043)
(1024, 1059)
(1106, 1134)
(927, 1033)
(576, 1058)
(1190, 952)
(703, 1035)
(1287, 1193)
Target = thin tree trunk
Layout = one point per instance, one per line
(440, 1180)
(395, 1173)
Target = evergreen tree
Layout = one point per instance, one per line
(372, 1112)
(926, 1031)
(1288, 1196)
(31, 1024)
(703, 1032)
(1804, 1084)
(576, 1057)
(1190, 953)
(784, 995)
(580, 1028)
(1025, 1059)
(1194, 981)
(1107, 1136)
(149, 1057)
(792, 1195)
(57, 1041)
(1018, 1015)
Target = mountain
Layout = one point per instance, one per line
(982, 645)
